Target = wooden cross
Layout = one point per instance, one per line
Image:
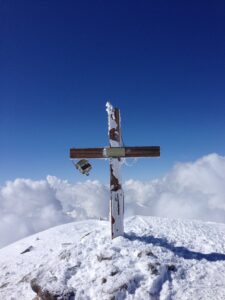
(114, 152)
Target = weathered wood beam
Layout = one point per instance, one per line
(152, 151)
(86, 153)
(116, 191)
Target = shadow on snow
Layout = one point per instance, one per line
(179, 251)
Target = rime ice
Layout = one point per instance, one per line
(117, 195)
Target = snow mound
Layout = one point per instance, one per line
(157, 259)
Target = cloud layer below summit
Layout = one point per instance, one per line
(192, 190)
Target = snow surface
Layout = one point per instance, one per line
(158, 258)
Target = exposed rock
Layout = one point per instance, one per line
(27, 250)
(65, 254)
(4, 285)
(101, 257)
(104, 280)
(66, 244)
(85, 235)
(146, 253)
(44, 294)
(25, 278)
(171, 268)
(114, 272)
(153, 268)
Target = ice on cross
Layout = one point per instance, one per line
(114, 152)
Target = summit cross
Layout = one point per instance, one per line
(115, 152)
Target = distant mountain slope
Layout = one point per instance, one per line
(157, 259)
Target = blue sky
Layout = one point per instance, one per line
(161, 62)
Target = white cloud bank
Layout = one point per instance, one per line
(27, 207)
(190, 190)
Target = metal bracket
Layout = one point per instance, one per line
(114, 152)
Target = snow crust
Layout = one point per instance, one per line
(157, 259)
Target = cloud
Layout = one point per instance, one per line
(193, 190)
(83, 200)
(190, 190)
(27, 207)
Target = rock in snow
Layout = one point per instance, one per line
(156, 259)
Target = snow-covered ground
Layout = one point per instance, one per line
(157, 259)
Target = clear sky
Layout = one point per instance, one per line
(161, 62)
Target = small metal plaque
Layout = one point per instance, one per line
(114, 152)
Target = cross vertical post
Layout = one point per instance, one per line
(114, 153)
(116, 193)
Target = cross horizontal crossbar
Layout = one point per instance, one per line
(147, 151)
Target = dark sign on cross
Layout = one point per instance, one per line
(115, 152)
